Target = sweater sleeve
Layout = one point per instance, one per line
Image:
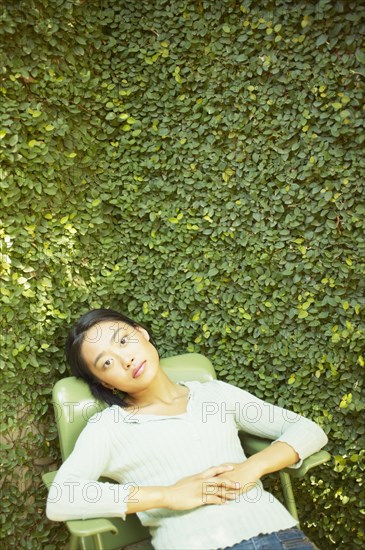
(75, 492)
(257, 417)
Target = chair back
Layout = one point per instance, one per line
(74, 403)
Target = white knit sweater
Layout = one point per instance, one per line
(149, 450)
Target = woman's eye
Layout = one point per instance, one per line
(107, 363)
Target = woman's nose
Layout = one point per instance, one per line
(127, 362)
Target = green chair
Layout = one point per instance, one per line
(74, 405)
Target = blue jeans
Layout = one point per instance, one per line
(288, 539)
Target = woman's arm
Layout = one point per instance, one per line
(295, 437)
(85, 499)
(275, 457)
(76, 494)
(190, 492)
(257, 417)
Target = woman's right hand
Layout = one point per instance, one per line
(200, 489)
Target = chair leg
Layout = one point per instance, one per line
(98, 543)
(288, 495)
(74, 543)
(77, 543)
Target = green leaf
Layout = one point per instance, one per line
(13, 140)
(322, 39)
(360, 56)
(302, 314)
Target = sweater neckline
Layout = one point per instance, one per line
(142, 417)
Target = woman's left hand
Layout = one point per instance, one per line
(275, 457)
(245, 473)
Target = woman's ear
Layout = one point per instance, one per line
(143, 331)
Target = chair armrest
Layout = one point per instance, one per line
(83, 527)
(48, 477)
(253, 444)
(320, 457)
(90, 527)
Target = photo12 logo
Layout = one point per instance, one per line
(92, 491)
(247, 413)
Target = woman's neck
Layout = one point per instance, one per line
(162, 393)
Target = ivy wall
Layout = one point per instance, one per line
(197, 165)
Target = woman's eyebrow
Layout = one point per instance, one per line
(112, 339)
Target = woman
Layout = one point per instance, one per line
(174, 448)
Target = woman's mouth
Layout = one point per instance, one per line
(139, 370)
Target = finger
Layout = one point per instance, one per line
(222, 482)
(226, 500)
(216, 470)
(219, 499)
(230, 495)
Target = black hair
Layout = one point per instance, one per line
(74, 357)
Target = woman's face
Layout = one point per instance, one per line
(120, 356)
